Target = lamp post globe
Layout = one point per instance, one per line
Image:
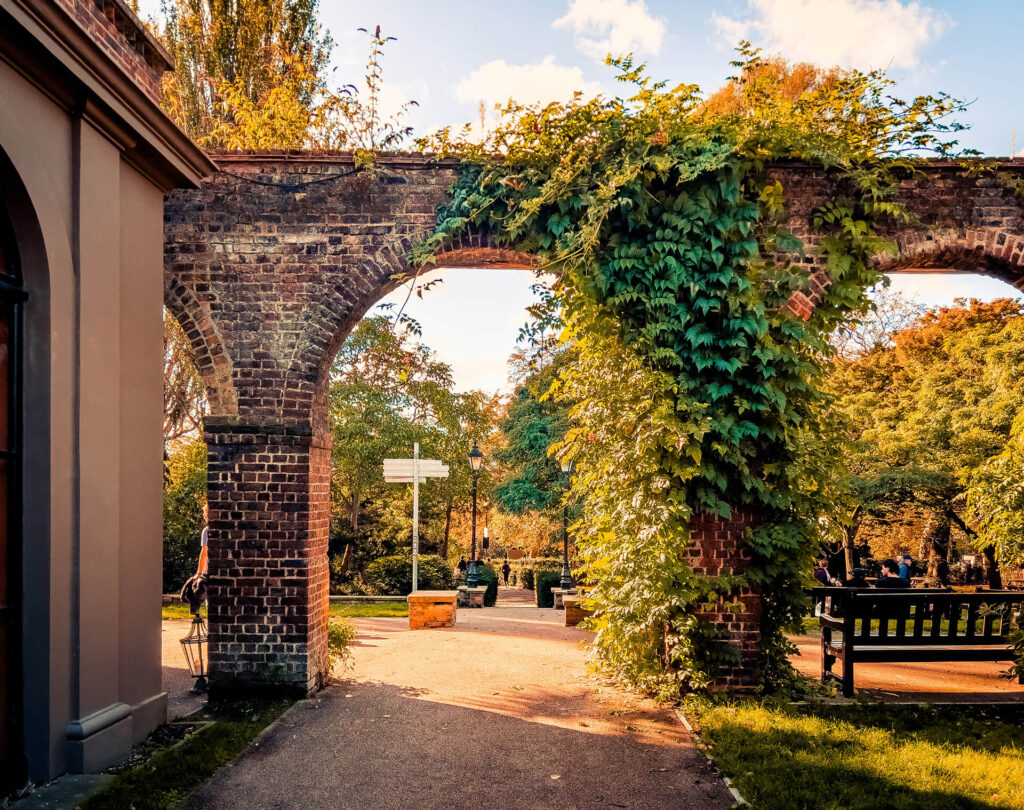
(476, 461)
(566, 580)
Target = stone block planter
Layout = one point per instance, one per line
(432, 609)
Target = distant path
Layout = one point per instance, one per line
(497, 712)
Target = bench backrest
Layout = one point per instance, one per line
(924, 617)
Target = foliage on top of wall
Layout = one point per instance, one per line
(694, 388)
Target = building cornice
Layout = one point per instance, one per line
(43, 43)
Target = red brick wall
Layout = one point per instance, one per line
(269, 491)
(114, 27)
(718, 547)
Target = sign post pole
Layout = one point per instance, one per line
(415, 515)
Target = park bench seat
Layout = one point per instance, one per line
(896, 626)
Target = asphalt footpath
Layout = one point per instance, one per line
(499, 711)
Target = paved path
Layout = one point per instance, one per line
(177, 681)
(497, 712)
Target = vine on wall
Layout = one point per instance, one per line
(693, 388)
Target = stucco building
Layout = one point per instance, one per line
(85, 158)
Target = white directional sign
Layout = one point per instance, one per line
(414, 471)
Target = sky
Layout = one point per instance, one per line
(449, 56)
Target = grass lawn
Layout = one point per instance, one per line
(163, 781)
(179, 610)
(353, 610)
(369, 610)
(860, 756)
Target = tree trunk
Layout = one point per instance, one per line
(936, 540)
(991, 567)
(353, 512)
(346, 558)
(447, 531)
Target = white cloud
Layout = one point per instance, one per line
(851, 33)
(497, 82)
(616, 27)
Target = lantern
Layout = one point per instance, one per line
(196, 649)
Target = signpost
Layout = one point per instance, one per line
(414, 471)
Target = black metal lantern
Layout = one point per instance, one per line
(196, 649)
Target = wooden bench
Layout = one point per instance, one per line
(878, 625)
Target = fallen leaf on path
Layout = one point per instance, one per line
(556, 776)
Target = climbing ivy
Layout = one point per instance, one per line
(693, 388)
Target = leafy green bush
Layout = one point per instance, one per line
(392, 575)
(524, 569)
(545, 581)
(340, 635)
(489, 577)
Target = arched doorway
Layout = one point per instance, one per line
(11, 298)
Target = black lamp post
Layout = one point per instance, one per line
(476, 461)
(195, 647)
(566, 582)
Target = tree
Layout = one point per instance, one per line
(387, 392)
(238, 43)
(932, 417)
(531, 478)
(184, 393)
(184, 496)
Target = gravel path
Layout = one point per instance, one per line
(497, 712)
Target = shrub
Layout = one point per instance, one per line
(489, 577)
(340, 635)
(545, 581)
(392, 575)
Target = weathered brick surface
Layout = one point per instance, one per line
(272, 262)
(718, 547)
(113, 26)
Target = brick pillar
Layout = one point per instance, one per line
(717, 548)
(269, 495)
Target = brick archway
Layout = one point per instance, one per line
(270, 264)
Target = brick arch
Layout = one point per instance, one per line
(207, 347)
(269, 265)
(390, 268)
(991, 251)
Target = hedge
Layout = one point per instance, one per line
(545, 581)
(486, 575)
(392, 575)
(523, 569)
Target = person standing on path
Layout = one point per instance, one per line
(462, 565)
(505, 570)
(204, 542)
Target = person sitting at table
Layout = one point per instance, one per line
(890, 576)
(906, 563)
(856, 579)
(821, 572)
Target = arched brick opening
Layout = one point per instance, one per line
(991, 251)
(268, 267)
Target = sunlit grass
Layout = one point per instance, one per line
(354, 610)
(179, 610)
(370, 610)
(858, 756)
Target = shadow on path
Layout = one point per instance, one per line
(379, 746)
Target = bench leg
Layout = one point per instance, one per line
(826, 660)
(847, 673)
